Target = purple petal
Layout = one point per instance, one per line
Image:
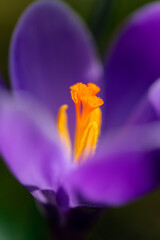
(29, 144)
(144, 113)
(2, 83)
(127, 170)
(133, 64)
(154, 96)
(51, 50)
(148, 110)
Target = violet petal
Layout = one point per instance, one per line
(29, 144)
(123, 171)
(51, 50)
(133, 64)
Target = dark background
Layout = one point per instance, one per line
(19, 216)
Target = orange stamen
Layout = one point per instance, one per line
(62, 124)
(86, 102)
(88, 121)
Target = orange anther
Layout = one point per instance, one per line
(86, 101)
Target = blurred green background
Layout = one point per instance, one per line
(19, 217)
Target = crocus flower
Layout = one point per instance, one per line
(51, 54)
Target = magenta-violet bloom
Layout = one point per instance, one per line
(51, 51)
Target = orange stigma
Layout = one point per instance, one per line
(88, 121)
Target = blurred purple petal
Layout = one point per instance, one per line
(126, 168)
(2, 83)
(29, 144)
(51, 50)
(144, 113)
(154, 96)
(133, 64)
(148, 110)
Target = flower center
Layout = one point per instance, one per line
(88, 121)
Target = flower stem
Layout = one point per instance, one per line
(74, 224)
